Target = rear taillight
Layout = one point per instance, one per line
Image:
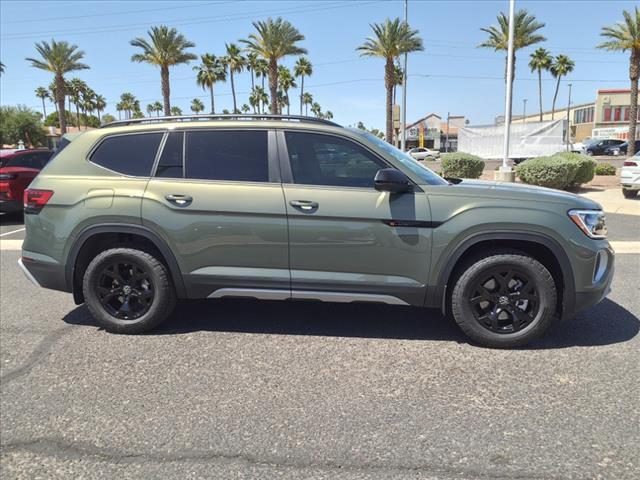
(7, 176)
(630, 163)
(35, 200)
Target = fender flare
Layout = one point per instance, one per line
(568, 298)
(160, 244)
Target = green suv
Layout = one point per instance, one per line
(136, 214)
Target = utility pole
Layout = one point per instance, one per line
(568, 118)
(404, 86)
(446, 141)
(507, 103)
(524, 111)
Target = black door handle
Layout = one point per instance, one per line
(179, 200)
(305, 205)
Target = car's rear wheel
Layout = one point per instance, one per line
(629, 193)
(504, 300)
(590, 153)
(128, 290)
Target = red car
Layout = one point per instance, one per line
(17, 169)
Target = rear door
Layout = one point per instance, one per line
(217, 200)
(349, 242)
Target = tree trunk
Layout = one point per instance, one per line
(60, 98)
(166, 89)
(213, 105)
(288, 102)
(77, 116)
(252, 80)
(273, 85)
(233, 91)
(540, 90)
(388, 83)
(555, 95)
(44, 109)
(634, 72)
(301, 92)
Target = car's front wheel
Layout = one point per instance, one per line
(629, 193)
(504, 300)
(128, 290)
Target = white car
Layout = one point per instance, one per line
(630, 176)
(420, 153)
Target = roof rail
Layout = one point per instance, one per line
(204, 117)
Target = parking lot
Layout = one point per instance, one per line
(243, 389)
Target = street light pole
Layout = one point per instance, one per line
(404, 86)
(524, 111)
(568, 118)
(507, 103)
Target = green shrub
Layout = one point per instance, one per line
(551, 172)
(605, 169)
(586, 166)
(461, 165)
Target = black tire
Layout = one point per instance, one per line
(501, 311)
(629, 193)
(589, 153)
(125, 276)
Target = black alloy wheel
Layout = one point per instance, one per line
(125, 290)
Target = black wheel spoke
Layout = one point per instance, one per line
(125, 290)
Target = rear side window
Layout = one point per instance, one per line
(227, 155)
(128, 154)
(170, 163)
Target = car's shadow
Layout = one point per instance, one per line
(605, 324)
(11, 219)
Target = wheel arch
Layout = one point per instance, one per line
(119, 231)
(540, 246)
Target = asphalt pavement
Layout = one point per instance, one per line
(247, 389)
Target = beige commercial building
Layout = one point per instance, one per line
(607, 117)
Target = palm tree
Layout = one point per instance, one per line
(258, 99)
(252, 64)
(392, 39)
(287, 81)
(176, 111)
(303, 68)
(398, 78)
(316, 109)
(236, 62)
(307, 99)
(129, 104)
(2, 67)
(525, 30)
(328, 115)
(261, 70)
(76, 90)
(151, 108)
(540, 60)
(245, 108)
(210, 71)
(166, 48)
(101, 104)
(157, 106)
(43, 93)
(119, 109)
(622, 37)
(275, 39)
(561, 66)
(52, 95)
(197, 106)
(59, 58)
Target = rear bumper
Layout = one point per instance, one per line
(10, 206)
(45, 274)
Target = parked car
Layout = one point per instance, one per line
(420, 153)
(17, 169)
(630, 176)
(131, 216)
(621, 149)
(599, 147)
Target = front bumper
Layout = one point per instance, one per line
(600, 289)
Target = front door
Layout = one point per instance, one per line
(349, 242)
(217, 200)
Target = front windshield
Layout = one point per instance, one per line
(427, 176)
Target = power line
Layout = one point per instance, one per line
(52, 19)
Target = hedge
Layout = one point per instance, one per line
(461, 165)
(586, 166)
(605, 169)
(551, 172)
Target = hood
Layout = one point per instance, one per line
(519, 191)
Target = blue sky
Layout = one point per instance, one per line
(450, 75)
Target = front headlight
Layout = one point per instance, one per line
(591, 222)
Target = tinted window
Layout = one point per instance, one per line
(326, 160)
(129, 154)
(23, 161)
(170, 163)
(227, 155)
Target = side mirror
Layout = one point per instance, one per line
(392, 180)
